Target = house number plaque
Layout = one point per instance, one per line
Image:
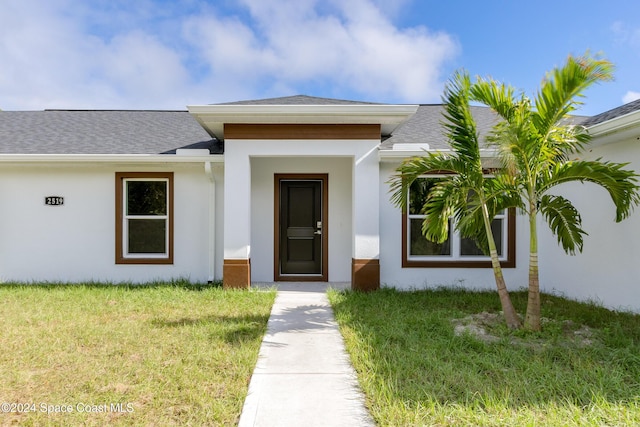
(54, 201)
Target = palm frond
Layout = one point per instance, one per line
(512, 135)
(415, 167)
(560, 91)
(565, 222)
(499, 96)
(441, 204)
(620, 183)
(566, 140)
(459, 124)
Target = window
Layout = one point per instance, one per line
(144, 218)
(456, 251)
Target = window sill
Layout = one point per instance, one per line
(455, 264)
(144, 260)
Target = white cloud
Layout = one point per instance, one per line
(63, 54)
(625, 34)
(348, 46)
(630, 96)
(51, 60)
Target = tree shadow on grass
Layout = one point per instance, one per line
(232, 329)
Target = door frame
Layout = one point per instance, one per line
(324, 262)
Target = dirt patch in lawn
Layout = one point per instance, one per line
(489, 328)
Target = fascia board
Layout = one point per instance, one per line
(615, 129)
(395, 155)
(240, 113)
(108, 158)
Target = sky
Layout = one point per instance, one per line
(165, 55)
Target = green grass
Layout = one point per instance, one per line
(176, 354)
(416, 371)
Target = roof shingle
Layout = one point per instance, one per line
(613, 113)
(426, 127)
(298, 100)
(101, 132)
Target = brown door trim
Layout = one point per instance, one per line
(324, 276)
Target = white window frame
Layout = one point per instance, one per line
(123, 256)
(126, 218)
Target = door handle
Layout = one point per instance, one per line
(319, 228)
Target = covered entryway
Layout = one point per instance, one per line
(289, 239)
(301, 244)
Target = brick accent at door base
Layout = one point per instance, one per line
(365, 274)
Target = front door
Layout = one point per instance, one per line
(301, 227)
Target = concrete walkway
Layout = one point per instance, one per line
(303, 376)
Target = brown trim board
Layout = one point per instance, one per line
(301, 131)
(236, 274)
(365, 274)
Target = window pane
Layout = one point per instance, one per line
(419, 245)
(469, 248)
(146, 197)
(147, 236)
(418, 193)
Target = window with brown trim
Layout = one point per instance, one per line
(144, 218)
(456, 251)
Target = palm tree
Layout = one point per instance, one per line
(464, 192)
(537, 141)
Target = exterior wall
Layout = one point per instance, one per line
(262, 212)
(394, 275)
(76, 241)
(607, 270)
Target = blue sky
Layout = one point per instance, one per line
(161, 54)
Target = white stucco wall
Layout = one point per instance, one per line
(76, 242)
(393, 274)
(608, 269)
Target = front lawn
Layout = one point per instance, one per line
(439, 358)
(174, 354)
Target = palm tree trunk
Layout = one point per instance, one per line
(510, 315)
(532, 318)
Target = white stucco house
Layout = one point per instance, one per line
(284, 189)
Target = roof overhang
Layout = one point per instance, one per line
(617, 129)
(213, 117)
(110, 158)
(489, 157)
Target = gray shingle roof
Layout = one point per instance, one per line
(299, 100)
(425, 127)
(101, 132)
(162, 132)
(612, 114)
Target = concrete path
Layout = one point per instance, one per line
(303, 376)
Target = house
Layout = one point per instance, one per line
(284, 189)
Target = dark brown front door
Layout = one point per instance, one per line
(301, 227)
